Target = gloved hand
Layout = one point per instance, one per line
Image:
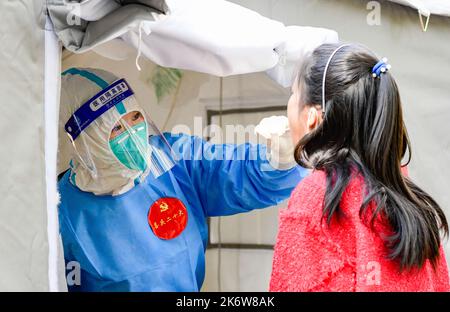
(280, 148)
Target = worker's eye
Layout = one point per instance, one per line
(117, 128)
(137, 116)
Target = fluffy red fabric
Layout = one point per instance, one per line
(345, 256)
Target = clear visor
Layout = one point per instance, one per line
(124, 143)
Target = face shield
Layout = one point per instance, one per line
(115, 143)
(137, 144)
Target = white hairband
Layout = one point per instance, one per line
(325, 74)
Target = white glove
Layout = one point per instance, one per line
(280, 149)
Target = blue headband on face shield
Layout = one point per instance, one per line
(96, 106)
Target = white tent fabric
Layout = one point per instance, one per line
(84, 25)
(427, 7)
(24, 250)
(227, 40)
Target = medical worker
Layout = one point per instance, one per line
(135, 202)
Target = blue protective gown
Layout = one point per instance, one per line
(110, 237)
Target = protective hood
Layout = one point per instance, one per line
(97, 165)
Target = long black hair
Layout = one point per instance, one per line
(363, 128)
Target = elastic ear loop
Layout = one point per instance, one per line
(325, 75)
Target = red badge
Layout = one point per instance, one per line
(167, 217)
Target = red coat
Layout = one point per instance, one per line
(347, 256)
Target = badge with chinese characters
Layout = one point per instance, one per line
(167, 217)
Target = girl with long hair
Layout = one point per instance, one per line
(357, 222)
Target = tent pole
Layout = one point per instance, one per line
(51, 103)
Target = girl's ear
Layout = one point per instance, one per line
(313, 118)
